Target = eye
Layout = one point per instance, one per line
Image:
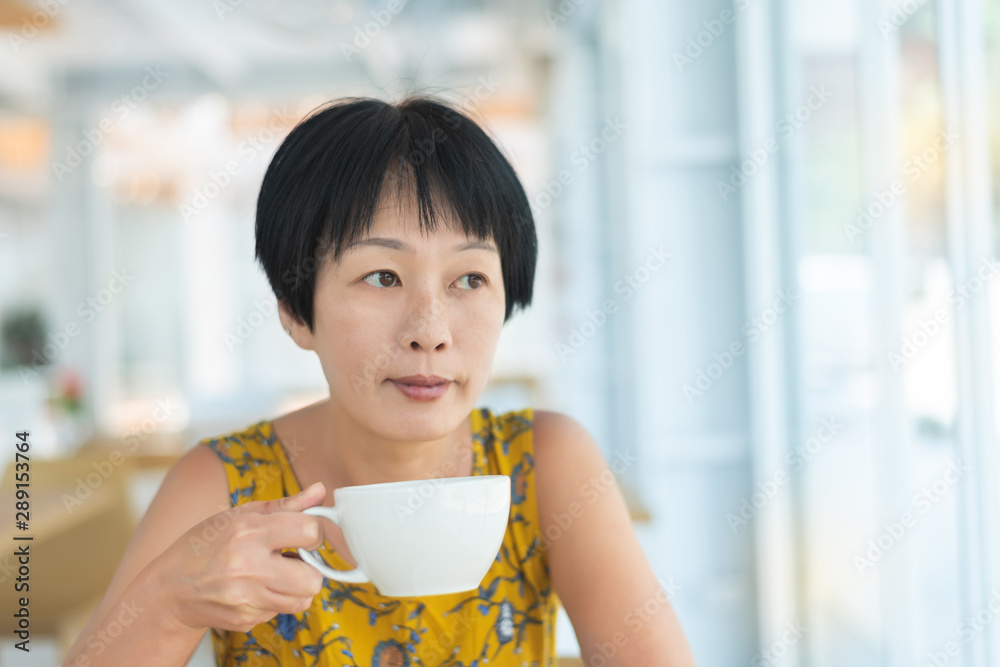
(476, 280)
(380, 275)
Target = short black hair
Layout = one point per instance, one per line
(324, 184)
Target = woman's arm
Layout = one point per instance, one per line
(195, 563)
(194, 489)
(137, 629)
(598, 568)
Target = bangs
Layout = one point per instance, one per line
(341, 163)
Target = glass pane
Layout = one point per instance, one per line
(925, 357)
(991, 31)
(853, 558)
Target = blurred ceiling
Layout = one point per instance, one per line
(233, 42)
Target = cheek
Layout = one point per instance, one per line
(354, 340)
(477, 334)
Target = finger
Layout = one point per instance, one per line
(295, 578)
(284, 603)
(306, 498)
(290, 530)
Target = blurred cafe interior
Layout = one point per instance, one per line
(814, 354)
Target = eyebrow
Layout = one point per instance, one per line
(396, 244)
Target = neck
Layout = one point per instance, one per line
(372, 459)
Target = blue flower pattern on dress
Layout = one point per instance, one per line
(508, 620)
(288, 625)
(390, 653)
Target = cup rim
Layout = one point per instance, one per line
(447, 481)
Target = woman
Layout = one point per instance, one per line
(398, 241)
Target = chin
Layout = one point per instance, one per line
(416, 429)
(421, 421)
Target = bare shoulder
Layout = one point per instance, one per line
(196, 479)
(562, 447)
(194, 488)
(598, 567)
(555, 432)
(571, 473)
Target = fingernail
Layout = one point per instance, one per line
(312, 486)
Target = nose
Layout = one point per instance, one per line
(428, 326)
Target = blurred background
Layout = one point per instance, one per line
(768, 242)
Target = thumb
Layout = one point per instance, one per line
(308, 497)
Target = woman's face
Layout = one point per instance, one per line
(397, 304)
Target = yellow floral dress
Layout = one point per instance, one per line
(509, 620)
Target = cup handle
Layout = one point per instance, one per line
(355, 576)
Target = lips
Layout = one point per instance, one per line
(422, 387)
(422, 380)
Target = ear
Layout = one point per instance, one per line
(295, 327)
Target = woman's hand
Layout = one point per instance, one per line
(228, 571)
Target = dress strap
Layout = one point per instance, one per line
(255, 469)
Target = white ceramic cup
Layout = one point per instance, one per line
(419, 537)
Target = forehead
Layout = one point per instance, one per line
(393, 243)
(396, 226)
